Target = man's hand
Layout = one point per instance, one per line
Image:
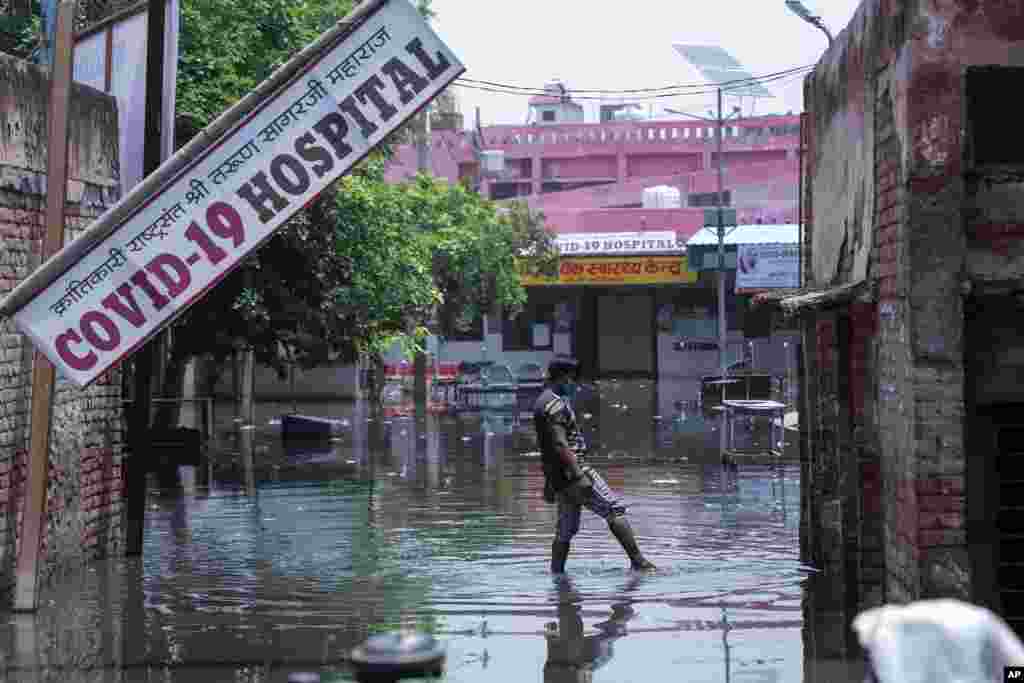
(579, 489)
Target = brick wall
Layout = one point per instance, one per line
(888, 270)
(83, 512)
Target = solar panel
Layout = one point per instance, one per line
(718, 66)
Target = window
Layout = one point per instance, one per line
(990, 119)
(547, 116)
(533, 325)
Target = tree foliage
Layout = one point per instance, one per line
(228, 47)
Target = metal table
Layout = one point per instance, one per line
(755, 408)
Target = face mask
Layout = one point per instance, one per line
(566, 390)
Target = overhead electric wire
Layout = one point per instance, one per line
(609, 91)
(708, 88)
(731, 84)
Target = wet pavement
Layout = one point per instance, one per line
(257, 567)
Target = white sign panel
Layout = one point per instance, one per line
(663, 242)
(228, 201)
(128, 38)
(767, 266)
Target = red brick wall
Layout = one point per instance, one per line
(863, 327)
(83, 506)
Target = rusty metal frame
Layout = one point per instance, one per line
(33, 527)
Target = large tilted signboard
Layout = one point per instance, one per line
(207, 218)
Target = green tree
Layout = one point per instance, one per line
(366, 265)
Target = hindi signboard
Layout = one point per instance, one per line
(221, 205)
(767, 266)
(623, 270)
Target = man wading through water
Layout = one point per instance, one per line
(566, 479)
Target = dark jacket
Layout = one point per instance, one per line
(555, 422)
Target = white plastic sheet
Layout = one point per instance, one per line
(937, 641)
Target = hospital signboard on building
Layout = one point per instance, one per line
(653, 242)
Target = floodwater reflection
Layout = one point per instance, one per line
(259, 566)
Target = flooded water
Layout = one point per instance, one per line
(257, 568)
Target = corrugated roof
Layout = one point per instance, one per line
(793, 302)
(748, 234)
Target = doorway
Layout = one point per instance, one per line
(994, 402)
(625, 334)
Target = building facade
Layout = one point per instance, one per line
(913, 350)
(589, 179)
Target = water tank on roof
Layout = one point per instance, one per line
(661, 197)
(630, 114)
(492, 161)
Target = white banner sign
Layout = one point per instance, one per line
(228, 201)
(767, 266)
(663, 242)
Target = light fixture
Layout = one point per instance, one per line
(798, 8)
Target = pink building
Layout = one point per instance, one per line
(590, 178)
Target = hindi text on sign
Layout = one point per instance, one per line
(232, 198)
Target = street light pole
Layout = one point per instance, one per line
(801, 10)
(719, 200)
(719, 122)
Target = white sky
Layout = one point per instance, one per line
(628, 44)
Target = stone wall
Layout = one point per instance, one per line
(85, 483)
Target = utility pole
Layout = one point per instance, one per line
(33, 528)
(145, 360)
(719, 223)
(719, 202)
(423, 165)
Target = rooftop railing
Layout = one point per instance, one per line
(660, 132)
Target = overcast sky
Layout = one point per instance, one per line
(628, 44)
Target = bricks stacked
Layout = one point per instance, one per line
(889, 198)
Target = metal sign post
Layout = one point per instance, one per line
(33, 527)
